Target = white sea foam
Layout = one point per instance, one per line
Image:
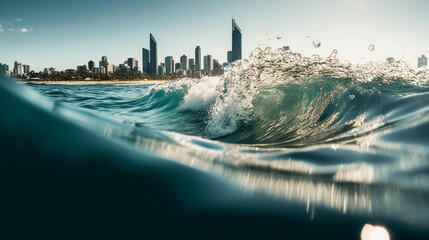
(229, 99)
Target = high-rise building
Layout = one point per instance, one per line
(161, 70)
(422, 61)
(17, 69)
(146, 61)
(216, 64)
(26, 69)
(153, 56)
(191, 62)
(229, 57)
(198, 58)
(136, 68)
(184, 62)
(132, 63)
(169, 65)
(178, 67)
(209, 63)
(91, 65)
(103, 62)
(205, 63)
(236, 41)
(4, 69)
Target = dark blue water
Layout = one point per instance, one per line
(326, 135)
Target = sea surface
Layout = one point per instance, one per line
(320, 132)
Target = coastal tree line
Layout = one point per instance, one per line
(81, 76)
(74, 75)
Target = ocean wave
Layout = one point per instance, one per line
(279, 98)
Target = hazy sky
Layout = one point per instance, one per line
(64, 34)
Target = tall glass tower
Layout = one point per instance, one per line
(169, 62)
(198, 58)
(146, 61)
(184, 62)
(236, 41)
(153, 57)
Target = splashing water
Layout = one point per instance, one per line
(371, 47)
(268, 76)
(317, 130)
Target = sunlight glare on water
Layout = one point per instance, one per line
(371, 232)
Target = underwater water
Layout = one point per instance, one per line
(322, 133)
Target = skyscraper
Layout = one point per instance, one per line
(191, 62)
(169, 65)
(103, 62)
(91, 65)
(236, 41)
(17, 69)
(198, 58)
(146, 61)
(26, 69)
(178, 67)
(153, 56)
(161, 70)
(209, 63)
(4, 68)
(422, 61)
(205, 63)
(184, 62)
(132, 63)
(229, 57)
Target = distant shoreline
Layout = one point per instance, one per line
(93, 82)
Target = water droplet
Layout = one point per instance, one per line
(307, 36)
(371, 47)
(269, 37)
(333, 53)
(317, 43)
(279, 37)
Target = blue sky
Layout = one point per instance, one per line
(64, 34)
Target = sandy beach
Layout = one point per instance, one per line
(92, 82)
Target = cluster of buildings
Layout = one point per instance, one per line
(192, 67)
(186, 66)
(104, 67)
(19, 69)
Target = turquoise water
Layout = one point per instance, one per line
(349, 139)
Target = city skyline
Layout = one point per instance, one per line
(61, 39)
